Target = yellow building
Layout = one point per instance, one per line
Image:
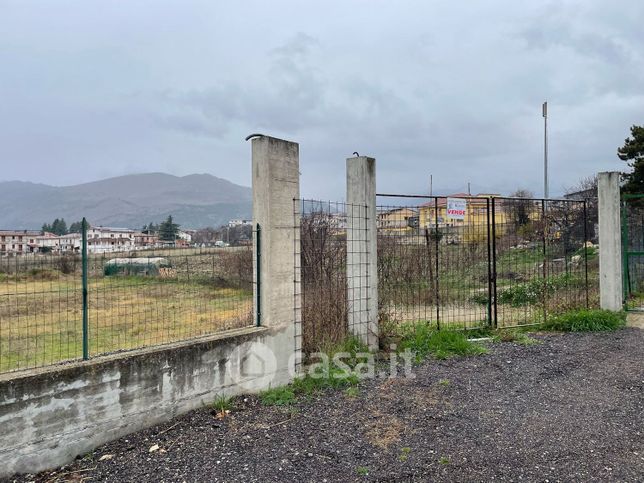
(473, 226)
(398, 220)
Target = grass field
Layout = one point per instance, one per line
(41, 314)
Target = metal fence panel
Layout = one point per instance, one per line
(133, 300)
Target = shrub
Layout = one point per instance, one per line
(236, 266)
(423, 340)
(67, 263)
(586, 321)
(532, 292)
(591, 252)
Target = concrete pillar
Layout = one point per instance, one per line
(362, 267)
(610, 242)
(276, 183)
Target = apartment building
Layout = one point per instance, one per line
(18, 242)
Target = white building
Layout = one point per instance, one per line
(48, 242)
(185, 236)
(101, 239)
(70, 243)
(233, 223)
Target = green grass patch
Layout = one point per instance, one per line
(533, 291)
(362, 470)
(278, 396)
(591, 252)
(404, 453)
(329, 372)
(223, 404)
(424, 341)
(352, 392)
(586, 321)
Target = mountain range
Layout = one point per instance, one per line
(131, 201)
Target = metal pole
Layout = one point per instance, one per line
(625, 245)
(258, 249)
(436, 276)
(586, 251)
(84, 271)
(494, 291)
(545, 260)
(489, 265)
(545, 149)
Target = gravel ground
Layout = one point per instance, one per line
(569, 409)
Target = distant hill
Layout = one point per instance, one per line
(194, 201)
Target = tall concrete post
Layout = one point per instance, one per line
(362, 267)
(276, 183)
(610, 242)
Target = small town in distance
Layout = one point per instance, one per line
(104, 239)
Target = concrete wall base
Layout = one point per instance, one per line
(49, 416)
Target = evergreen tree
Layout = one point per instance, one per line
(168, 230)
(59, 227)
(76, 227)
(633, 153)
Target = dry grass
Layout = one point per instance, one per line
(41, 319)
(384, 430)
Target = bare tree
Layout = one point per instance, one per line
(324, 281)
(586, 190)
(519, 209)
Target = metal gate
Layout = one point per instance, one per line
(499, 261)
(633, 250)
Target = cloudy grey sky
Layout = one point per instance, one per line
(91, 89)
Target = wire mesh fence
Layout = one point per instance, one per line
(500, 261)
(331, 256)
(633, 250)
(134, 300)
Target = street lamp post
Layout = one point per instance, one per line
(544, 113)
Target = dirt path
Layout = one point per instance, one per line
(569, 409)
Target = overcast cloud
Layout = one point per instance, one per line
(91, 89)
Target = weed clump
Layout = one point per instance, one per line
(423, 341)
(586, 321)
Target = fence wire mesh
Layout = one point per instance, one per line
(331, 254)
(503, 261)
(633, 251)
(134, 300)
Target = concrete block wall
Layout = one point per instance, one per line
(49, 416)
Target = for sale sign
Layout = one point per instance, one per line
(456, 208)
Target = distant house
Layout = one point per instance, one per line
(47, 242)
(398, 220)
(146, 239)
(434, 213)
(240, 222)
(184, 235)
(102, 239)
(70, 243)
(587, 194)
(18, 242)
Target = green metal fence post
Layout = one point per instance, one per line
(84, 268)
(625, 281)
(258, 271)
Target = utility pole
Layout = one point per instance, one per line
(431, 182)
(544, 113)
